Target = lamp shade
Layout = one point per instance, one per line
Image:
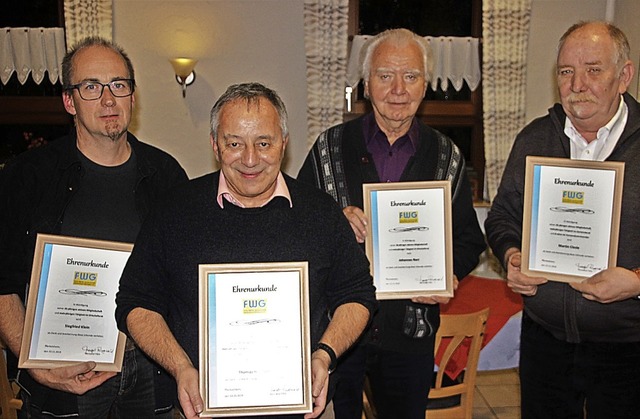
(183, 66)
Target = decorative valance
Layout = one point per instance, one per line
(31, 51)
(456, 60)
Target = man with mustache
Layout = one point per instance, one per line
(580, 342)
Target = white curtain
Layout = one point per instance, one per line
(36, 51)
(456, 60)
(31, 51)
(325, 39)
(505, 33)
(84, 18)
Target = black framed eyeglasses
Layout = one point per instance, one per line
(92, 90)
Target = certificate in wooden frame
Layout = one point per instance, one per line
(409, 238)
(255, 356)
(71, 303)
(570, 231)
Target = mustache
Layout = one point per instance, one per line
(581, 98)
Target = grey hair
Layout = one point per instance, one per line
(398, 36)
(622, 51)
(250, 92)
(92, 41)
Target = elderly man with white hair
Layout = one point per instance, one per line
(391, 144)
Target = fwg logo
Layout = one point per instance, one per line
(572, 197)
(254, 306)
(85, 278)
(408, 217)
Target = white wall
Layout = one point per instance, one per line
(263, 40)
(627, 17)
(549, 20)
(235, 41)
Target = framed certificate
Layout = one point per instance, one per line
(255, 357)
(571, 217)
(71, 303)
(409, 242)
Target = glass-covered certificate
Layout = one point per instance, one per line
(254, 339)
(71, 303)
(571, 217)
(409, 242)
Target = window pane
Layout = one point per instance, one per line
(33, 14)
(30, 88)
(460, 135)
(30, 13)
(424, 17)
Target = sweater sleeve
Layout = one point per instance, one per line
(504, 222)
(308, 172)
(350, 279)
(468, 240)
(143, 282)
(16, 241)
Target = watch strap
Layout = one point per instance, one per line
(332, 355)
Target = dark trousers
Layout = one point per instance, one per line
(400, 383)
(565, 380)
(349, 378)
(129, 394)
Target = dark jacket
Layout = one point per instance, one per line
(342, 152)
(35, 189)
(556, 306)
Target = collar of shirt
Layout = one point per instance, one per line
(390, 159)
(606, 138)
(224, 192)
(373, 132)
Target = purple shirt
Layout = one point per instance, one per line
(390, 159)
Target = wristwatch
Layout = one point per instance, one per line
(332, 355)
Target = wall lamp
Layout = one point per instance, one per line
(185, 75)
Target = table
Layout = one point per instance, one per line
(501, 346)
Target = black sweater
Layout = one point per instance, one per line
(162, 272)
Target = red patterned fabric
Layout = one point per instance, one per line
(473, 294)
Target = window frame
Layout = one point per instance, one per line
(442, 113)
(45, 110)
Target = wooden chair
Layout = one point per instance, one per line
(9, 404)
(458, 327)
(368, 409)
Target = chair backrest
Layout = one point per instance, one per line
(368, 409)
(456, 329)
(9, 404)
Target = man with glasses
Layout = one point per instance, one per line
(98, 182)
